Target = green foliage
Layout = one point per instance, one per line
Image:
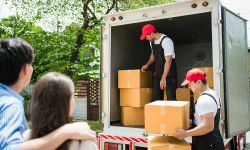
(71, 35)
(95, 126)
(134, 4)
(26, 94)
(52, 49)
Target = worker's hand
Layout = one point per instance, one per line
(163, 84)
(180, 134)
(79, 131)
(144, 68)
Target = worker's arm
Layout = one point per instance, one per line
(167, 66)
(150, 61)
(206, 126)
(75, 131)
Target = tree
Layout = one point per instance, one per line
(86, 14)
(51, 48)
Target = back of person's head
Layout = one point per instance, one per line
(14, 54)
(50, 105)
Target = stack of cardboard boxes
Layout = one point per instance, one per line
(161, 117)
(135, 92)
(167, 143)
(165, 117)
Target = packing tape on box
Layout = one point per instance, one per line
(163, 110)
(162, 128)
(171, 147)
(128, 84)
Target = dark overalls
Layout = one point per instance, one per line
(171, 80)
(212, 140)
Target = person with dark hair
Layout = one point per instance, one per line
(52, 104)
(163, 55)
(205, 130)
(16, 57)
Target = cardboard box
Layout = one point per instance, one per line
(164, 117)
(132, 116)
(167, 143)
(134, 79)
(183, 94)
(135, 97)
(209, 75)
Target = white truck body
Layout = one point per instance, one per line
(211, 35)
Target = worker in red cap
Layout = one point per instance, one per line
(163, 55)
(205, 125)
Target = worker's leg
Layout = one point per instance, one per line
(171, 88)
(207, 146)
(157, 93)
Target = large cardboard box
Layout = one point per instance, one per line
(167, 143)
(135, 97)
(132, 116)
(183, 94)
(134, 79)
(209, 75)
(164, 117)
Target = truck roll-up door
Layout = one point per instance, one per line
(236, 85)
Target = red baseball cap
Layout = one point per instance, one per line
(194, 75)
(147, 29)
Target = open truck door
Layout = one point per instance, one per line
(236, 82)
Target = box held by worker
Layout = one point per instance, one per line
(165, 117)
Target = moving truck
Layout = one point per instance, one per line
(205, 34)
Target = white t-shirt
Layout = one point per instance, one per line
(167, 45)
(206, 104)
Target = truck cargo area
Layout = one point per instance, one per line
(192, 38)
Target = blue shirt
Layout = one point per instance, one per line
(12, 119)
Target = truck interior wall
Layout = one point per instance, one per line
(249, 62)
(192, 37)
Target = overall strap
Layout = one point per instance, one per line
(212, 98)
(163, 39)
